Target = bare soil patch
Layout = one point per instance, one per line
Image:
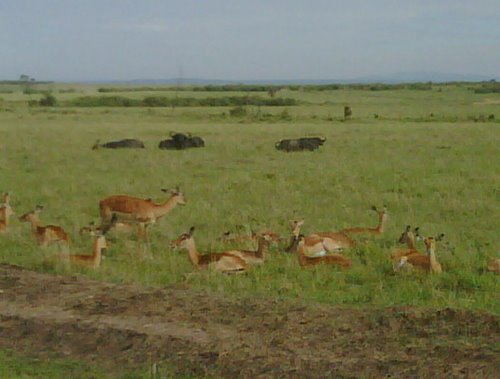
(128, 326)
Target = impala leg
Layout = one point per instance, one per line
(144, 236)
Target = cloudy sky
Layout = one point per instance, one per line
(67, 40)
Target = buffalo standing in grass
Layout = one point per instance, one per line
(300, 144)
(127, 143)
(180, 141)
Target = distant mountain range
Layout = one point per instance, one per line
(403, 77)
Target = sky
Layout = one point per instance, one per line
(86, 40)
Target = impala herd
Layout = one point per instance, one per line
(123, 212)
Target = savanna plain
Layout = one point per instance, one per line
(429, 153)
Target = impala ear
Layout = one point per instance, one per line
(408, 228)
(439, 237)
(191, 231)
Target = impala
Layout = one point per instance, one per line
(224, 262)
(304, 246)
(5, 213)
(47, 234)
(407, 237)
(428, 262)
(330, 241)
(379, 229)
(255, 257)
(94, 260)
(142, 211)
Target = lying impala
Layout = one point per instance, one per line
(47, 234)
(142, 211)
(331, 241)
(408, 238)
(427, 262)
(99, 244)
(379, 229)
(255, 257)
(225, 262)
(305, 246)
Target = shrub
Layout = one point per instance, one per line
(48, 100)
(238, 111)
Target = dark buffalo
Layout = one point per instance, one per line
(300, 144)
(179, 141)
(127, 143)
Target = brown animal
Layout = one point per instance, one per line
(304, 247)
(93, 260)
(47, 234)
(225, 262)
(379, 229)
(408, 237)
(255, 257)
(330, 241)
(428, 262)
(142, 211)
(494, 265)
(5, 213)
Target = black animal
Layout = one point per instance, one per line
(300, 144)
(179, 141)
(124, 143)
(347, 112)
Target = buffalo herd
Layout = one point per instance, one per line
(181, 141)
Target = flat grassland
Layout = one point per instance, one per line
(432, 156)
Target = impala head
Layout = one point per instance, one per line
(28, 216)
(382, 213)
(96, 145)
(295, 226)
(6, 198)
(177, 194)
(183, 240)
(322, 139)
(404, 236)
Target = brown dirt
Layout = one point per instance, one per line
(127, 326)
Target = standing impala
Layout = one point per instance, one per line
(142, 211)
(379, 229)
(47, 234)
(225, 262)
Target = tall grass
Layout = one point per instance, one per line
(441, 176)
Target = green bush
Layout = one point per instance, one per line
(48, 100)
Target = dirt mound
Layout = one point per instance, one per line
(127, 326)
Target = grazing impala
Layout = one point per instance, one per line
(94, 260)
(47, 234)
(330, 241)
(304, 247)
(428, 262)
(225, 262)
(379, 229)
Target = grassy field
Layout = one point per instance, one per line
(419, 152)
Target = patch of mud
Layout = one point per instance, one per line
(128, 326)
